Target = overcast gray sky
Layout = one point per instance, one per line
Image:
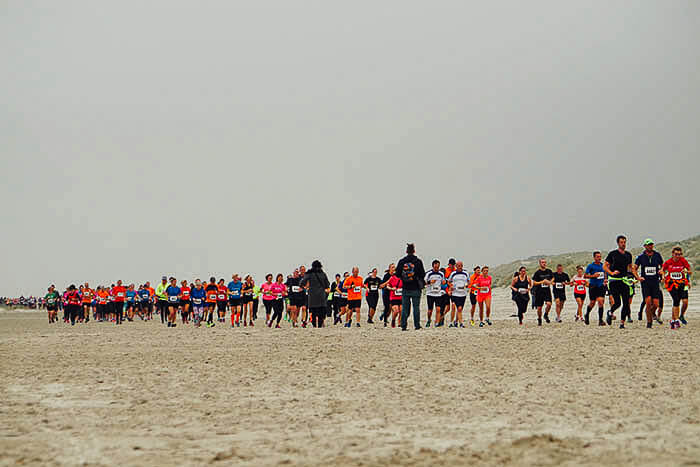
(191, 138)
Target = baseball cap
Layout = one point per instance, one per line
(164, 278)
(648, 241)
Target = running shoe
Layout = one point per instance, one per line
(488, 321)
(303, 324)
(648, 325)
(471, 321)
(211, 325)
(622, 325)
(601, 323)
(174, 325)
(386, 324)
(587, 319)
(277, 326)
(558, 320)
(251, 324)
(369, 321)
(347, 325)
(427, 325)
(609, 318)
(269, 324)
(357, 325)
(546, 318)
(539, 321)
(639, 316)
(682, 320)
(169, 323)
(461, 325)
(659, 320)
(481, 324)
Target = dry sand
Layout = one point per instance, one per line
(143, 394)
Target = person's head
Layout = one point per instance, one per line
(87, 286)
(346, 275)
(212, 280)
(280, 278)
(337, 277)
(355, 271)
(268, 277)
(621, 242)
(436, 265)
(459, 266)
(198, 283)
(184, 283)
(560, 268)
(164, 280)
(677, 251)
(410, 249)
(148, 284)
(51, 288)
(80, 288)
(173, 281)
(119, 283)
(579, 270)
(485, 271)
(649, 245)
(71, 287)
(248, 278)
(316, 264)
(295, 273)
(477, 269)
(543, 263)
(302, 270)
(373, 273)
(597, 256)
(522, 270)
(221, 281)
(451, 262)
(131, 286)
(392, 268)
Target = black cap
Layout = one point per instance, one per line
(452, 261)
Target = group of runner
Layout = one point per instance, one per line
(447, 290)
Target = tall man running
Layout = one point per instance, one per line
(541, 280)
(617, 264)
(647, 270)
(596, 287)
(459, 287)
(434, 281)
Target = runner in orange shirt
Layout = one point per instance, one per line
(473, 291)
(354, 285)
(88, 296)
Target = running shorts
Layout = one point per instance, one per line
(296, 300)
(581, 296)
(595, 292)
(459, 301)
(353, 304)
(542, 296)
(472, 298)
(678, 294)
(235, 301)
(434, 301)
(651, 289)
(396, 301)
(560, 294)
(372, 300)
(185, 302)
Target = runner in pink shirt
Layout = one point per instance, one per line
(483, 295)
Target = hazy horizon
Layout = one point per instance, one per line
(187, 139)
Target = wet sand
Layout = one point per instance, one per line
(143, 394)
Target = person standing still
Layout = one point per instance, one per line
(411, 271)
(319, 286)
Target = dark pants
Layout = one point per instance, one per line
(317, 316)
(386, 302)
(255, 308)
(410, 297)
(278, 307)
(521, 300)
(72, 311)
(621, 297)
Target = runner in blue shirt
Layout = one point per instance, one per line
(596, 287)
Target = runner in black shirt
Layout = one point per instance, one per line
(561, 280)
(617, 264)
(372, 283)
(541, 280)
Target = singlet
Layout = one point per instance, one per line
(521, 287)
(212, 292)
(185, 293)
(433, 283)
(396, 283)
(372, 284)
(221, 293)
(484, 285)
(579, 285)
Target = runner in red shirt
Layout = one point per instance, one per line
(185, 301)
(677, 272)
(483, 286)
(119, 294)
(88, 296)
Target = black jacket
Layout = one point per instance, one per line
(318, 283)
(418, 281)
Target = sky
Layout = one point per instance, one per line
(206, 138)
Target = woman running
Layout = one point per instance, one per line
(247, 300)
(335, 291)
(212, 294)
(173, 294)
(296, 296)
(185, 301)
(483, 282)
(580, 284)
(521, 286)
(199, 297)
(235, 298)
(51, 299)
(372, 296)
(343, 298)
(395, 286)
(221, 300)
(130, 302)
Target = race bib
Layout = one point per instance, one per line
(172, 298)
(522, 291)
(296, 288)
(51, 301)
(650, 271)
(197, 301)
(559, 285)
(676, 276)
(248, 294)
(398, 292)
(580, 288)
(279, 295)
(373, 287)
(336, 294)
(600, 275)
(544, 286)
(212, 297)
(484, 290)
(357, 289)
(434, 287)
(222, 297)
(120, 294)
(344, 295)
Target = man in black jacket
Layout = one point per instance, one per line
(412, 273)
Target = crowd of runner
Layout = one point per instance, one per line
(447, 289)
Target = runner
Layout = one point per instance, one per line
(212, 295)
(130, 302)
(119, 294)
(521, 285)
(484, 282)
(304, 300)
(395, 286)
(580, 283)
(617, 264)
(386, 294)
(296, 297)
(677, 280)
(459, 289)
(73, 304)
(268, 298)
(235, 299)
(102, 307)
(273, 299)
(451, 306)
(162, 298)
(173, 292)
(247, 301)
(51, 299)
(88, 297)
(649, 263)
(343, 298)
(185, 301)
(561, 280)
(372, 296)
(199, 297)
(473, 291)
(596, 287)
(221, 300)
(434, 282)
(354, 287)
(145, 302)
(335, 291)
(541, 280)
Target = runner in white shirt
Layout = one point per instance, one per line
(459, 286)
(434, 280)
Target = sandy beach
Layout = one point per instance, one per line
(143, 394)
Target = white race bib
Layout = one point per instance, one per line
(197, 301)
(600, 275)
(484, 290)
(373, 287)
(221, 297)
(357, 289)
(172, 298)
(650, 271)
(398, 292)
(544, 286)
(559, 285)
(344, 295)
(522, 291)
(580, 289)
(676, 276)
(296, 288)
(120, 294)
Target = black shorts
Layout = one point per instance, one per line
(678, 294)
(459, 301)
(235, 301)
(304, 300)
(173, 304)
(372, 300)
(472, 298)
(247, 299)
(542, 296)
(185, 302)
(342, 301)
(444, 302)
(209, 304)
(353, 304)
(560, 294)
(296, 300)
(595, 292)
(651, 290)
(128, 304)
(51, 307)
(581, 296)
(221, 305)
(434, 301)
(396, 301)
